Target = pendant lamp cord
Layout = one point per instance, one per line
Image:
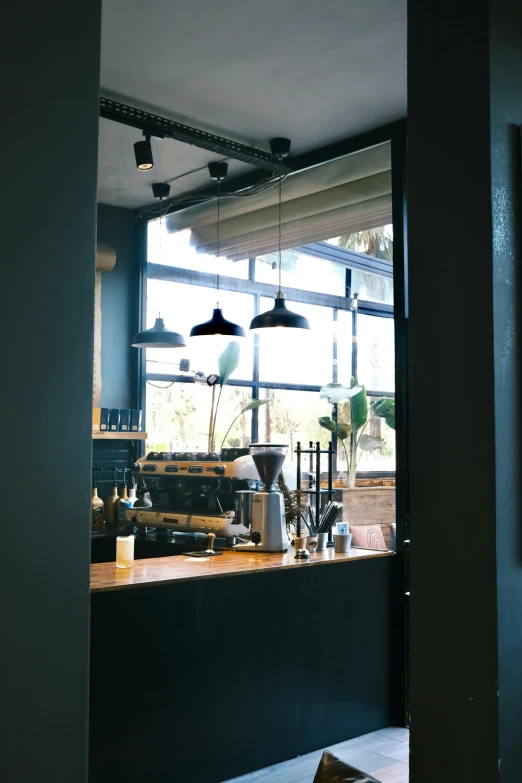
(160, 246)
(218, 234)
(280, 188)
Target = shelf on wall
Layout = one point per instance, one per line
(119, 436)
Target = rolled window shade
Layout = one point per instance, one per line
(341, 197)
(105, 257)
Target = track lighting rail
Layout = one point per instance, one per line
(163, 127)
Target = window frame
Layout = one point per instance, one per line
(322, 250)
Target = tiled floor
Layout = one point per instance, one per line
(382, 754)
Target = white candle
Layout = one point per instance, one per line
(124, 551)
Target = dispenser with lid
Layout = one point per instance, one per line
(268, 527)
(97, 503)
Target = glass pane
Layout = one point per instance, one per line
(372, 288)
(376, 352)
(298, 355)
(344, 346)
(176, 250)
(302, 271)
(377, 243)
(384, 457)
(291, 417)
(178, 416)
(182, 306)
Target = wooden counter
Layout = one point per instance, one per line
(166, 570)
(203, 679)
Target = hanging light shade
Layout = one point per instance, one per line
(158, 337)
(279, 317)
(218, 325)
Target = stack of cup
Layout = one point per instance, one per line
(342, 538)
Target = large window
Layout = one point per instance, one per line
(348, 337)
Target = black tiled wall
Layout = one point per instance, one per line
(111, 454)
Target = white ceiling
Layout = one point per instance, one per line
(315, 71)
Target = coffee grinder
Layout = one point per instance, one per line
(268, 524)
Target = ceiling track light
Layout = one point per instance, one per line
(218, 326)
(279, 317)
(160, 190)
(143, 154)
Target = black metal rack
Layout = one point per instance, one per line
(316, 451)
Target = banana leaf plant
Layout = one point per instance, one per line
(228, 362)
(351, 433)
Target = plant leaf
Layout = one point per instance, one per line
(359, 408)
(228, 362)
(368, 443)
(254, 404)
(385, 408)
(341, 430)
(336, 392)
(250, 407)
(327, 423)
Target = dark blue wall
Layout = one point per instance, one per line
(49, 59)
(465, 106)
(120, 309)
(120, 321)
(506, 119)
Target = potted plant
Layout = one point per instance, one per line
(228, 362)
(359, 415)
(295, 505)
(363, 505)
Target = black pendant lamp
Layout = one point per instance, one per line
(280, 317)
(218, 325)
(159, 336)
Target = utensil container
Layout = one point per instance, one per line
(322, 541)
(343, 542)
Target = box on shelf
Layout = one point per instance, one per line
(114, 419)
(124, 425)
(135, 420)
(100, 418)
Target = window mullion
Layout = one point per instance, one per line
(255, 369)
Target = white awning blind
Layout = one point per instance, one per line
(341, 197)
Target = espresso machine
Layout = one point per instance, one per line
(194, 494)
(268, 524)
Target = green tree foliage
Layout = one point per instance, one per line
(377, 242)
